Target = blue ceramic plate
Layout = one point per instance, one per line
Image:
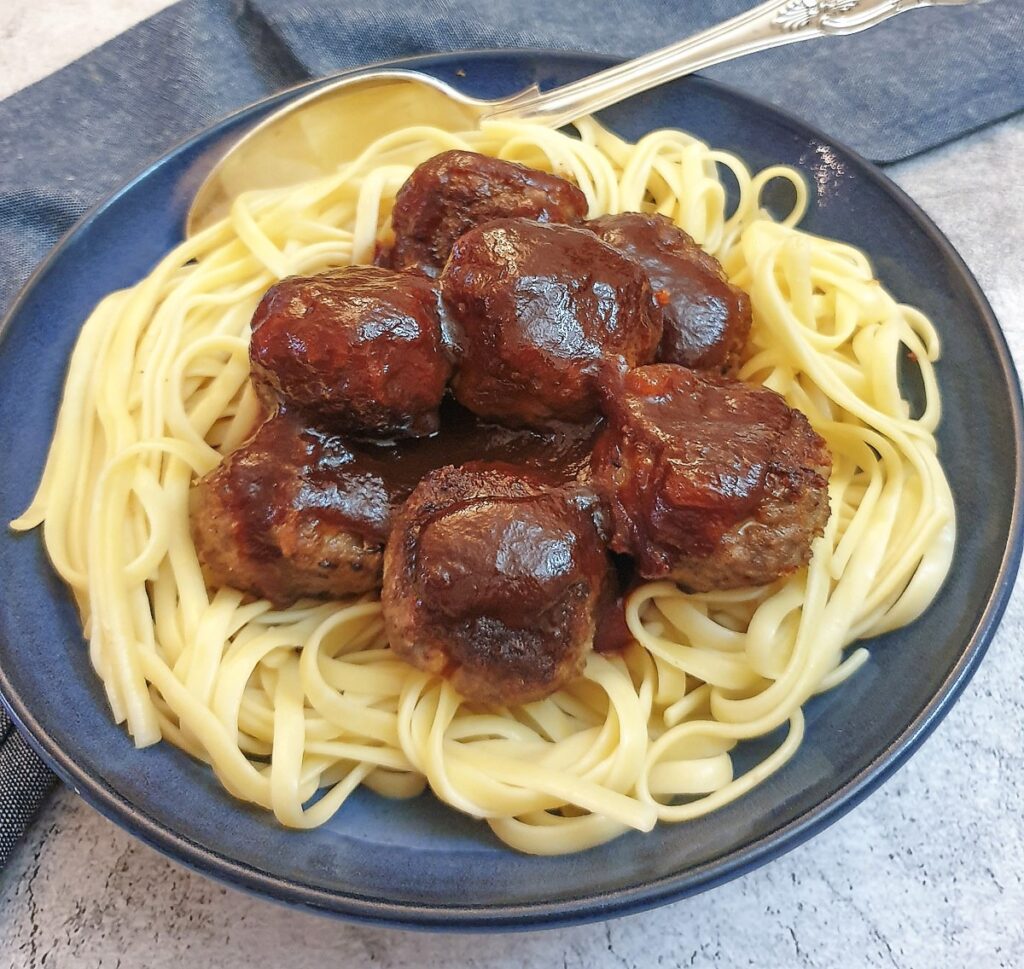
(416, 863)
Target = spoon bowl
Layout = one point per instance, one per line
(329, 126)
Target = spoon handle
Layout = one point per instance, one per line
(771, 24)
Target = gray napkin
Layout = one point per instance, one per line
(24, 783)
(895, 90)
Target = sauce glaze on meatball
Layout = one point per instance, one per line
(291, 513)
(453, 192)
(359, 348)
(713, 482)
(492, 577)
(706, 318)
(538, 314)
(297, 511)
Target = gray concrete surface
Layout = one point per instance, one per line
(929, 872)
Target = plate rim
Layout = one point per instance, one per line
(621, 901)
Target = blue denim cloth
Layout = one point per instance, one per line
(910, 84)
(24, 783)
(74, 137)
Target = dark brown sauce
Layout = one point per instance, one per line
(706, 318)
(611, 633)
(452, 192)
(361, 483)
(536, 314)
(684, 458)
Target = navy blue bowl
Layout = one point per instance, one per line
(416, 863)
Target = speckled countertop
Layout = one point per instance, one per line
(928, 872)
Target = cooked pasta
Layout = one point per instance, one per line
(296, 708)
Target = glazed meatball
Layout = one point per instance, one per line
(712, 482)
(538, 314)
(706, 318)
(492, 577)
(453, 192)
(359, 348)
(293, 512)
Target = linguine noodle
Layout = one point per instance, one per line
(294, 709)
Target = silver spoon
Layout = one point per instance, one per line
(313, 135)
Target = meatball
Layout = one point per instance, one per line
(706, 318)
(293, 512)
(359, 348)
(492, 578)
(453, 192)
(712, 482)
(538, 314)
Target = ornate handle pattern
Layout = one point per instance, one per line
(772, 24)
(848, 16)
(797, 14)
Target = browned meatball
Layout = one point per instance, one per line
(359, 348)
(297, 511)
(707, 319)
(713, 482)
(491, 579)
(292, 513)
(453, 192)
(538, 314)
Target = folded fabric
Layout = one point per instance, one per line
(24, 783)
(912, 83)
(923, 78)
